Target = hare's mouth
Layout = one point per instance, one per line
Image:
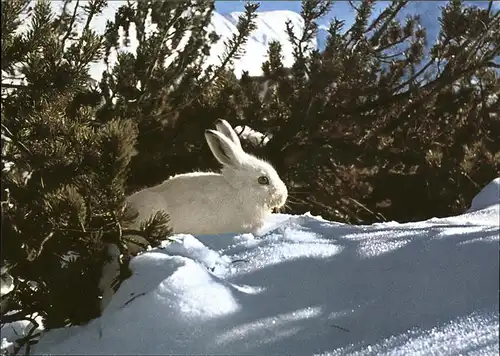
(277, 209)
(277, 203)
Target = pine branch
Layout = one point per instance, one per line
(311, 11)
(245, 26)
(392, 12)
(14, 140)
(71, 23)
(413, 77)
(165, 38)
(430, 89)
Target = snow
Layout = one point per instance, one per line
(270, 27)
(489, 195)
(17, 330)
(7, 285)
(305, 285)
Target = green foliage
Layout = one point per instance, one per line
(371, 128)
(166, 82)
(72, 148)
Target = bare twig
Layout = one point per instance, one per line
(15, 140)
(364, 207)
(376, 36)
(27, 340)
(40, 249)
(71, 24)
(132, 299)
(239, 260)
(340, 327)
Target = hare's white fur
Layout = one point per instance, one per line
(201, 203)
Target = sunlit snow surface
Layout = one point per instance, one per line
(307, 286)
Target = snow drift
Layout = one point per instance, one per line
(488, 196)
(308, 286)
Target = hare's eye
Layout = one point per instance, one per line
(263, 180)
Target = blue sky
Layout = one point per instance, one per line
(230, 6)
(340, 9)
(429, 10)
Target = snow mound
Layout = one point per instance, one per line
(488, 196)
(307, 286)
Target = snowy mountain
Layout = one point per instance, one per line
(307, 286)
(270, 27)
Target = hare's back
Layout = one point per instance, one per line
(193, 186)
(190, 199)
(146, 202)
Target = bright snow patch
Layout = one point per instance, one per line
(7, 284)
(489, 195)
(307, 286)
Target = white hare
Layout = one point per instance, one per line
(236, 200)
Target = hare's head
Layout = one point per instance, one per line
(254, 179)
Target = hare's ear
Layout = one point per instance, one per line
(224, 150)
(224, 128)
